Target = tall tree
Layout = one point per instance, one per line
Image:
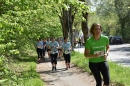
(123, 13)
(84, 24)
(66, 10)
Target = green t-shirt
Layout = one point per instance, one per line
(97, 46)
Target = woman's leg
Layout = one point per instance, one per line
(52, 61)
(43, 53)
(55, 60)
(104, 68)
(65, 57)
(38, 54)
(68, 60)
(96, 73)
(48, 51)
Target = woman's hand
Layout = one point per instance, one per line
(97, 54)
(105, 56)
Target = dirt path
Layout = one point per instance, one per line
(62, 77)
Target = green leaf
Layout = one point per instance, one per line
(0, 25)
(4, 80)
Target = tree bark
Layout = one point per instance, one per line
(66, 20)
(123, 17)
(85, 26)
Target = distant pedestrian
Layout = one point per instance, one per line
(39, 49)
(48, 47)
(79, 42)
(59, 49)
(53, 53)
(75, 42)
(66, 48)
(44, 48)
(97, 49)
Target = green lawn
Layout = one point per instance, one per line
(21, 71)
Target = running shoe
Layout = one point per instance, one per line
(55, 68)
(69, 66)
(52, 68)
(39, 61)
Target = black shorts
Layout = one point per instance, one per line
(59, 49)
(48, 50)
(100, 68)
(67, 58)
(54, 58)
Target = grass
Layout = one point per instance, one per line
(119, 75)
(23, 71)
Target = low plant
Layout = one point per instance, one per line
(19, 72)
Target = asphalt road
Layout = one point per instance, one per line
(118, 53)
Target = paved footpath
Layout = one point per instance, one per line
(62, 77)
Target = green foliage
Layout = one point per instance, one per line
(123, 12)
(26, 21)
(20, 71)
(21, 23)
(5, 73)
(127, 34)
(113, 15)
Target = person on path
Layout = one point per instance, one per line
(39, 49)
(59, 49)
(47, 46)
(44, 48)
(80, 42)
(75, 42)
(97, 49)
(66, 48)
(53, 53)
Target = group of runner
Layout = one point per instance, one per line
(96, 50)
(54, 48)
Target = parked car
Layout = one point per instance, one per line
(115, 40)
(110, 38)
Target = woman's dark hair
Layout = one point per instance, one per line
(92, 27)
(65, 37)
(39, 39)
(52, 37)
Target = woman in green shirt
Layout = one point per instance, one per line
(97, 49)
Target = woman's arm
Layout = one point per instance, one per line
(107, 49)
(88, 55)
(107, 52)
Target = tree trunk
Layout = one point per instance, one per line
(64, 22)
(85, 26)
(67, 21)
(122, 28)
(122, 15)
(71, 20)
